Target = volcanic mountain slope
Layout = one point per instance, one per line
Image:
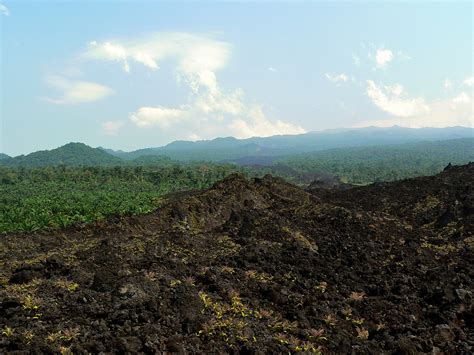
(254, 266)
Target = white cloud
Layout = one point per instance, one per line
(76, 92)
(469, 81)
(199, 57)
(448, 85)
(209, 110)
(260, 126)
(392, 99)
(336, 78)
(194, 137)
(4, 10)
(272, 69)
(241, 121)
(457, 111)
(218, 102)
(109, 51)
(442, 114)
(111, 128)
(157, 116)
(383, 57)
(462, 98)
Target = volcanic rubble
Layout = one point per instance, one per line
(254, 266)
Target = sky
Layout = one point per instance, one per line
(129, 75)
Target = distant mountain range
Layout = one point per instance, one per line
(222, 149)
(258, 150)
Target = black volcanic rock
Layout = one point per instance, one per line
(255, 266)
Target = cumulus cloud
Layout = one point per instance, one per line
(4, 10)
(469, 81)
(76, 92)
(457, 111)
(260, 126)
(199, 57)
(462, 98)
(111, 128)
(109, 51)
(194, 137)
(336, 78)
(210, 110)
(442, 114)
(236, 119)
(383, 57)
(393, 99)
(157, 116)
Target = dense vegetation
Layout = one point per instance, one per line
(362, 165)
(32, 199)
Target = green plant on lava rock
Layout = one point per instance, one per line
(174, 283)
(330, 320)
(64, 336)
(229, 320)
(30, 302)
(258, 276)
(347, 313)
(357, 296)
(321, 287)
(282, 325)
(282, 338)
(8, 332)
(317, 334)
(358, 321)
(362, 333)
(67, 285)
(28, 336)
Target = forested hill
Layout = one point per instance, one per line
(4, 156)
(69, 154)
(382, 163)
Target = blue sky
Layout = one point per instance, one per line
(129, 75)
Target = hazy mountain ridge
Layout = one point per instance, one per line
(233, 148)
(252, 151)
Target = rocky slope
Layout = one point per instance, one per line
(254, 266)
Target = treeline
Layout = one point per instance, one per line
(180, 174)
